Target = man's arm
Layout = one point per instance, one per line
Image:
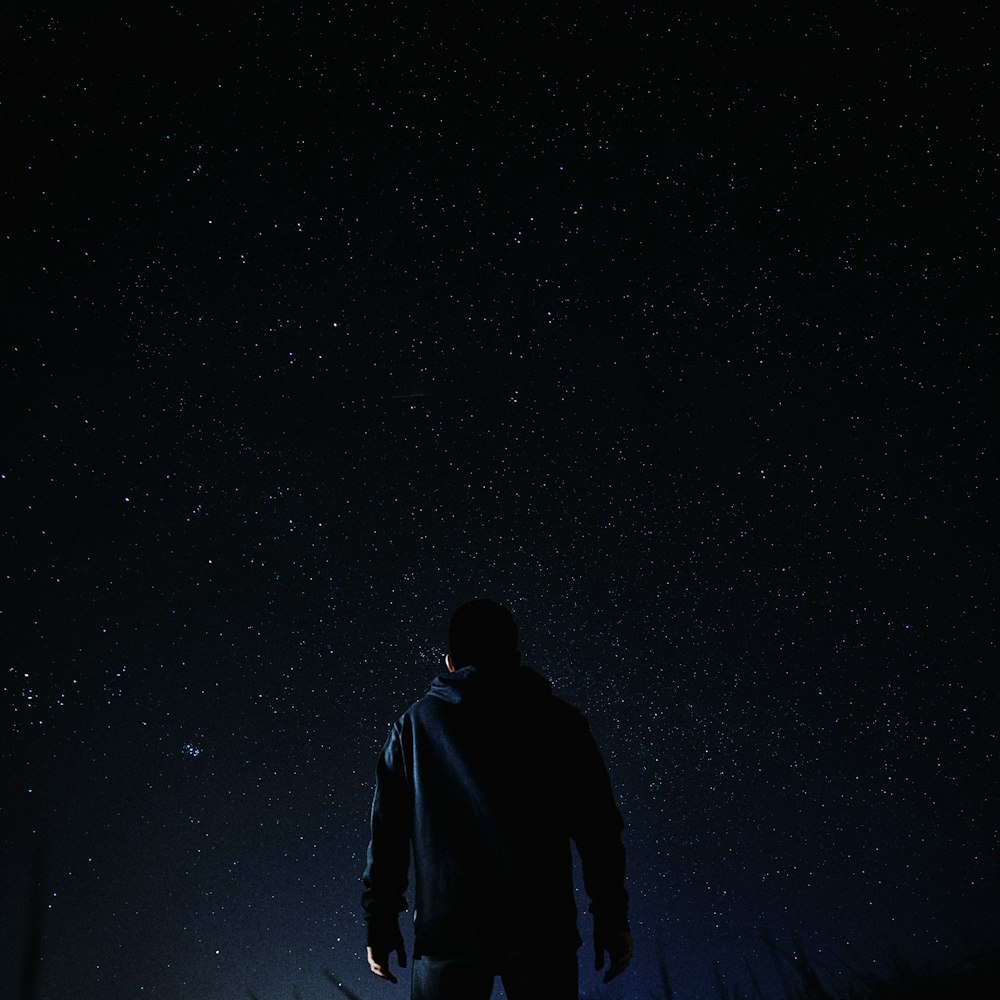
(597, 828)
(385, 875)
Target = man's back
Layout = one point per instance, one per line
(489, 776)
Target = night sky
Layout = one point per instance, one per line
(669, 330)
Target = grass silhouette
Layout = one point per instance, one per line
(974, 977)
(338, 983)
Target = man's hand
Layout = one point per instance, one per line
(378, 962)
(618, 945)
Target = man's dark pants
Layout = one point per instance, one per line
(542, 976)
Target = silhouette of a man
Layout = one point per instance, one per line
(488, 778)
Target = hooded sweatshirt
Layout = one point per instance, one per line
(488, 778)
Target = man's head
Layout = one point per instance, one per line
(482, 633)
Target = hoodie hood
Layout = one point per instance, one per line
(493, 683)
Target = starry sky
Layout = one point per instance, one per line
(666, 328)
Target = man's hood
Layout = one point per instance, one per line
(494, 683)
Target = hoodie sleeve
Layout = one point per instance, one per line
(596, 827)
(385, 875)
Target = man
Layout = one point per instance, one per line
(489, 777)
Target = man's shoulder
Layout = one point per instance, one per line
(533, 699)
(570, 713)
(419, 713)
